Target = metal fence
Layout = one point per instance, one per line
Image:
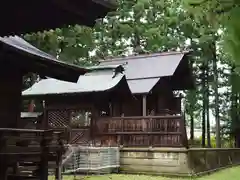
(82, 159)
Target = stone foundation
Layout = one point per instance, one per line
(176, 161)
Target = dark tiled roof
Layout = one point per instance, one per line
(142, 74)
(20, 17)
(144, 71)
(38, 61)
(148, 66)
(96, 81)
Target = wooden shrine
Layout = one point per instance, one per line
(150, 116)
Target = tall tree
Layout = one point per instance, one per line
(225, 12)
(216, 93)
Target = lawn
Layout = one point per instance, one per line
(227, 174)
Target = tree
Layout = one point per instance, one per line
(225, 12)
(72, 44)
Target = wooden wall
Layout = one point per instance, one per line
(133, 107)
(156, 103)
(10, 96)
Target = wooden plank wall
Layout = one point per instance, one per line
(10, 96)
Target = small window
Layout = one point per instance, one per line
(80, 118)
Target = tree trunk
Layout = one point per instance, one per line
(191, 109)
(207, 108)
(215, 89)
(237, 140)
(234, 128)
(203, 106)
(191, 127)
(136, 37)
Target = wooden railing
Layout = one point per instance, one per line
(160, 131)
(21, 149)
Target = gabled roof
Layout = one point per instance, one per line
(96, 81)
(142, 86)
(20, 17)
(34, 60)
(143, 72)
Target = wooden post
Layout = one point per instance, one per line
(44, 123)
(10, 106)
(122, 137)
(144, 111)
(144, 105)
(58, 172)
(3, 169)
(93, 124)
(183, 130)
(3, 160)
(44, 157)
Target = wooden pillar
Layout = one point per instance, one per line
(44, 156)
(45, 116)
(144, 105)
(93, 124)
(58, 172)
(10, 106)
(3, 160)
(144, 112)
(10, 96)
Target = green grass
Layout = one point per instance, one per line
(227, 174)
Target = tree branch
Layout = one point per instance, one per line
(194, 4)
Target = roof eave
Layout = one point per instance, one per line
(121, 80)
(110, 4)
(41, 65)
(64, 13)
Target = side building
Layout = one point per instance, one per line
(131, 101)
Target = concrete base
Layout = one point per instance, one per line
(176, 161)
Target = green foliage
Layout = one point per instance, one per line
(72, 44)
(224, 13)
(226, 142)
(232, 38)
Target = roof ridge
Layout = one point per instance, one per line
(140, 56)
